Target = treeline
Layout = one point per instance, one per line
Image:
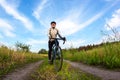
(24, 48)
(89, 47)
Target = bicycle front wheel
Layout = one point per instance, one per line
(58, 59)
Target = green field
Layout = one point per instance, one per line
(107, 56)
(10, 59)
(47, 72)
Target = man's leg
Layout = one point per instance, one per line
(50, 49)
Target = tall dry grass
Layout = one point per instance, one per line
(10, 59)
(107, 56)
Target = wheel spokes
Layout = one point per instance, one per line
(58, 60)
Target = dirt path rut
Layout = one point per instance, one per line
(102, 73)
(23, 73)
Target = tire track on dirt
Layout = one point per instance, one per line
(102, 73)
(23, 73)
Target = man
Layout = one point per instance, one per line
(53, 32)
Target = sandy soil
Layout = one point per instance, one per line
(23, 73)
(100, 72)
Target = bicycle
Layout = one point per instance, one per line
(57, 56)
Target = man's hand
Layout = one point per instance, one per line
(64, 38)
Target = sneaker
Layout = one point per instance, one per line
(50, 61)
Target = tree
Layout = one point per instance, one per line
(42, 51)
(22, 47)
(113, 36)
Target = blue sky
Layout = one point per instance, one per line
(80, 21)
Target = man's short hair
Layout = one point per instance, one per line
(53, 22)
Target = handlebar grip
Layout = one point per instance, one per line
(64, 42)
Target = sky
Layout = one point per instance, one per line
(80, 21)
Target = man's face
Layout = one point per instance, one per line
(53, 25)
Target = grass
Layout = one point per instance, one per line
(47, 72)
(107, 56)
(10, 59)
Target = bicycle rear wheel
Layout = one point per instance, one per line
(58, 61)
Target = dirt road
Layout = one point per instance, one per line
(22, 73)
(102, 73)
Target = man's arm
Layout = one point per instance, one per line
(61, 36)
(49, 33)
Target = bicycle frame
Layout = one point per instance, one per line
(55, 46)
(57, 54)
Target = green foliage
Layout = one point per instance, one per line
(22, 47)
(47, 72)
(42, 51)
(10, 59)
(107, 55)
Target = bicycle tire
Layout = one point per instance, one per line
(58, 60)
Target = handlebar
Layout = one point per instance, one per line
(59, 39)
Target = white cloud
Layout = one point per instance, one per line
(14, 3)
(108, 0)
(70, 25)
(1, 36)
(9, 33)
(67, 26)
(1, 43)
(6, 28)
(114, 21)
(36, 42)
(17, 15)
(38, 10)
(72, 43)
